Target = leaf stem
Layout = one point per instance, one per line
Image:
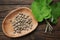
(50, 28)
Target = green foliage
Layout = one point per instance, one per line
(42, 9)
(55, 11)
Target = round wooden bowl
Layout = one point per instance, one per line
(7, 26)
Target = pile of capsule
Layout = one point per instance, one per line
(21, 22)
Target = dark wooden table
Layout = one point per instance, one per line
(7, 5)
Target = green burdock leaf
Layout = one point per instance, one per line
(55, 11)
(41, 9)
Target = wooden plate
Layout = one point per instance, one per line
(8, 27)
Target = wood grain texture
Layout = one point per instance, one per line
(9, 2)
(17, 2)
(38, 34)
(5, 9)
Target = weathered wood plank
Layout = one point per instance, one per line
(8, 2)
(35, 35)
(17, 2)
(5, 9)
(26, 37)
(0, 26)
(52, 39)
(4, 38)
